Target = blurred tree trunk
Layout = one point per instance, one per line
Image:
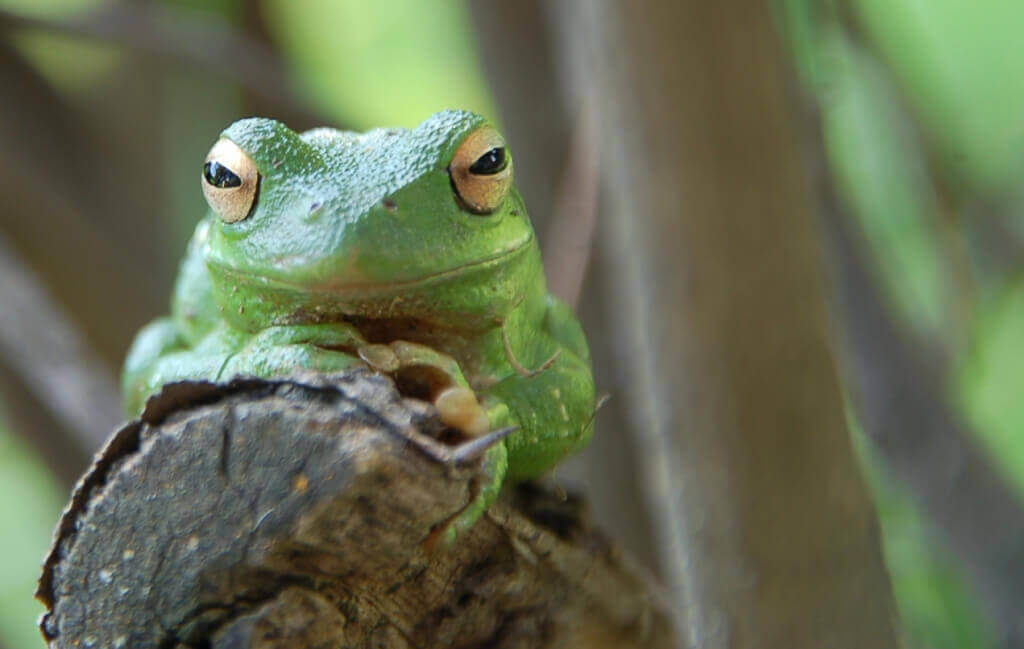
(768, 534)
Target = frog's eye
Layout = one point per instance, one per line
(481, 170)
(230, 181)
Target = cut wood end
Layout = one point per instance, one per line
(292, 513)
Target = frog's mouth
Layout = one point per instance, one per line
(350, 287)
(417, 298)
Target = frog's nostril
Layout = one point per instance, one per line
(316, 209)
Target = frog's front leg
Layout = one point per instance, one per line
(485, 492)
(281, 350)
(424, 372)
(553, 408)
(159, 354)
(551, 412)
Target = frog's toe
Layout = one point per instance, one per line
(380, 357)
(458, 408)
(283, 360)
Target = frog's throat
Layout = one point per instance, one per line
(366, 289)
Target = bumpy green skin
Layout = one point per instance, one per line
(363, 232)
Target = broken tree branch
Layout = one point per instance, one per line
(198, 39)
(295, 514)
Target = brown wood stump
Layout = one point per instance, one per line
(295, 513)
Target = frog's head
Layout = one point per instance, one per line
(423, 224)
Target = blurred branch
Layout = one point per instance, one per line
(902, 405)
(28, 418)
(44, 349)
(70, 215)
(59, 396)
(200, 39)
(570, 235)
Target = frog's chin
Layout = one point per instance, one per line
(408, 286)
(448, 296)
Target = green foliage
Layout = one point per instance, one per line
(880, 174)
(30, 502)
(68, 63)
(929, 96)
(42, 8)
(878, 169)
(950, 68)
(959, 65)
(388, 62)
(991, 382)
(936, 611)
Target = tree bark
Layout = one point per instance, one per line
(769, 536)
(300, 514)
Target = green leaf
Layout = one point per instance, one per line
(30, 502)
(382, 63)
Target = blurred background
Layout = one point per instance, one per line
(913, 115)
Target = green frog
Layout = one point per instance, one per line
(406, 251)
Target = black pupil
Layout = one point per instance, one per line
(220, 176)
(490, 163)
